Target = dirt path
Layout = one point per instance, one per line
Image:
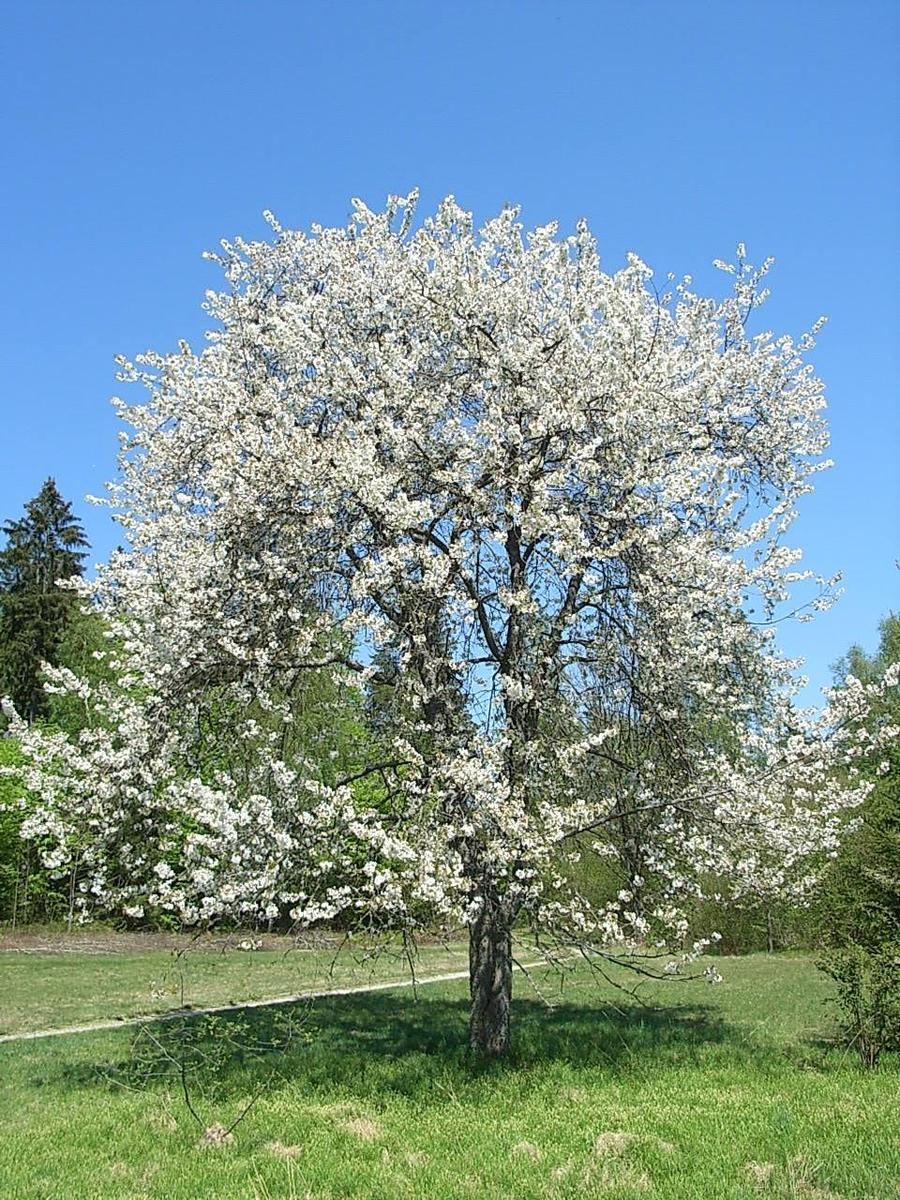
(125, 1022)
(110, 941)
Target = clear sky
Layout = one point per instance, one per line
(135, 135)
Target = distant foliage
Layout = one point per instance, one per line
(859, 903)
(43, 549)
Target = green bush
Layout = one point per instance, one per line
(868, 994)
(859, 902)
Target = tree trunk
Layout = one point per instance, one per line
(490, 980)
(70, 920)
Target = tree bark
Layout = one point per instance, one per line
(490, 980)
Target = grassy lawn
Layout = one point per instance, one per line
(689, 1092)
(52, 990)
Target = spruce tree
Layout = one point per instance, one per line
(44, 547)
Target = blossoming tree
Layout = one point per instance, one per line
(549, 497)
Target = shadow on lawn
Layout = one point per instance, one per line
(372, 1045)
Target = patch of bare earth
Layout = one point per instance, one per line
(608, 1167)
(363, 1128)
(285, 1153)
(614, 1175)
(804, 1183)
(527, 1150)
(90, 939)
(215, 1137)
(111, 941)
(759, 1173)
(616, 1142)
(797, 1180)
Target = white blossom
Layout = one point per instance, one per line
(552, 494)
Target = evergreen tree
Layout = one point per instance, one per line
(43, 548)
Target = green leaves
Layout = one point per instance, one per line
(860, 900)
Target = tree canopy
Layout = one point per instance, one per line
(542, 510)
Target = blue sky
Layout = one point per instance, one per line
(135, 135)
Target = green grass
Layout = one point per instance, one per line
(47, 990)
(52, 990)
(671, 1096)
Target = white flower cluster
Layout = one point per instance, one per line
(550, 496)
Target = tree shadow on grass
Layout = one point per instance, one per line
(372, 1045)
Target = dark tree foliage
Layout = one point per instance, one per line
(859, 906)
(861, 894)
(44, 547)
